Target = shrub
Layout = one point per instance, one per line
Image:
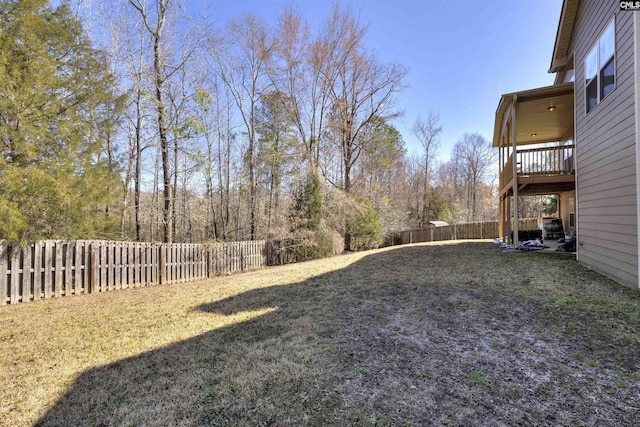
(366, 230)
(310, 237)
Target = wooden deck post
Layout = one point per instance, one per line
(515, 238)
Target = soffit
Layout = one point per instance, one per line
(561, 55)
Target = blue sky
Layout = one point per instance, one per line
(461, 55)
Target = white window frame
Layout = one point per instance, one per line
(600, 64)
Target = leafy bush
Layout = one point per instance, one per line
(366, 230)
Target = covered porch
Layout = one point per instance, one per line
(533, 133)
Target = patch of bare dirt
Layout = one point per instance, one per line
(455, 342)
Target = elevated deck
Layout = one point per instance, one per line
(548, 170)
(533, 133)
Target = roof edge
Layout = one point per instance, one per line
(559, 59)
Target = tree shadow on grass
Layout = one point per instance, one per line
(270, 369)
(421, 335)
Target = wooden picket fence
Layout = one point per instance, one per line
(57, 268)
(472, 230)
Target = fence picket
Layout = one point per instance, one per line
(189, 262)
(117, 260)
(67, 267)
(57, 272)
(93, 277)
(4, 261)
(102, 266)
(178, 257)
(114, 266)
(26, 273)
(86, 272)
(135, 274)
(48, 269)
(119, 265)
(147, 266)
(78, 283)
(108, 266)
(128, 266)
(142, 264)
(37, 271)
(15, 273)
(124, 269)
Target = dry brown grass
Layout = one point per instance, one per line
(431, 334)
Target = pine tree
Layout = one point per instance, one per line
(56, 107)
(310, 235)
(367, 230)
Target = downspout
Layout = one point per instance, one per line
(500, 183)
(515, 239)
(636, 53)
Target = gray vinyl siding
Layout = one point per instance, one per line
(606, 152)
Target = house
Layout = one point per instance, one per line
(579, 138)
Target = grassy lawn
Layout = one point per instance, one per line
(429, 334)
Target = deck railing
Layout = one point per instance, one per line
(548, 161)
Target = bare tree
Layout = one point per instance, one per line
(165, 65)
(301, 69)
(362, 93)
(362, 98)
(123, 35)
(155, 26)
(275, 153)
(476, 158)
(214, 113)
(241, 64)
(428, 132)
(267, 107)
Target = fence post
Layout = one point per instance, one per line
(37, 271)
(163, 265)
(68, 263)
(211, 261)
(4, 260)
(15, 273)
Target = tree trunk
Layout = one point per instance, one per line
(174, 192)
(347, 189)
(252, 189)
(162, 127)
(138, 167)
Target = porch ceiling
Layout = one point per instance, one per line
(535, 123)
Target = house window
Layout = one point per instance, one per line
(600, 68)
